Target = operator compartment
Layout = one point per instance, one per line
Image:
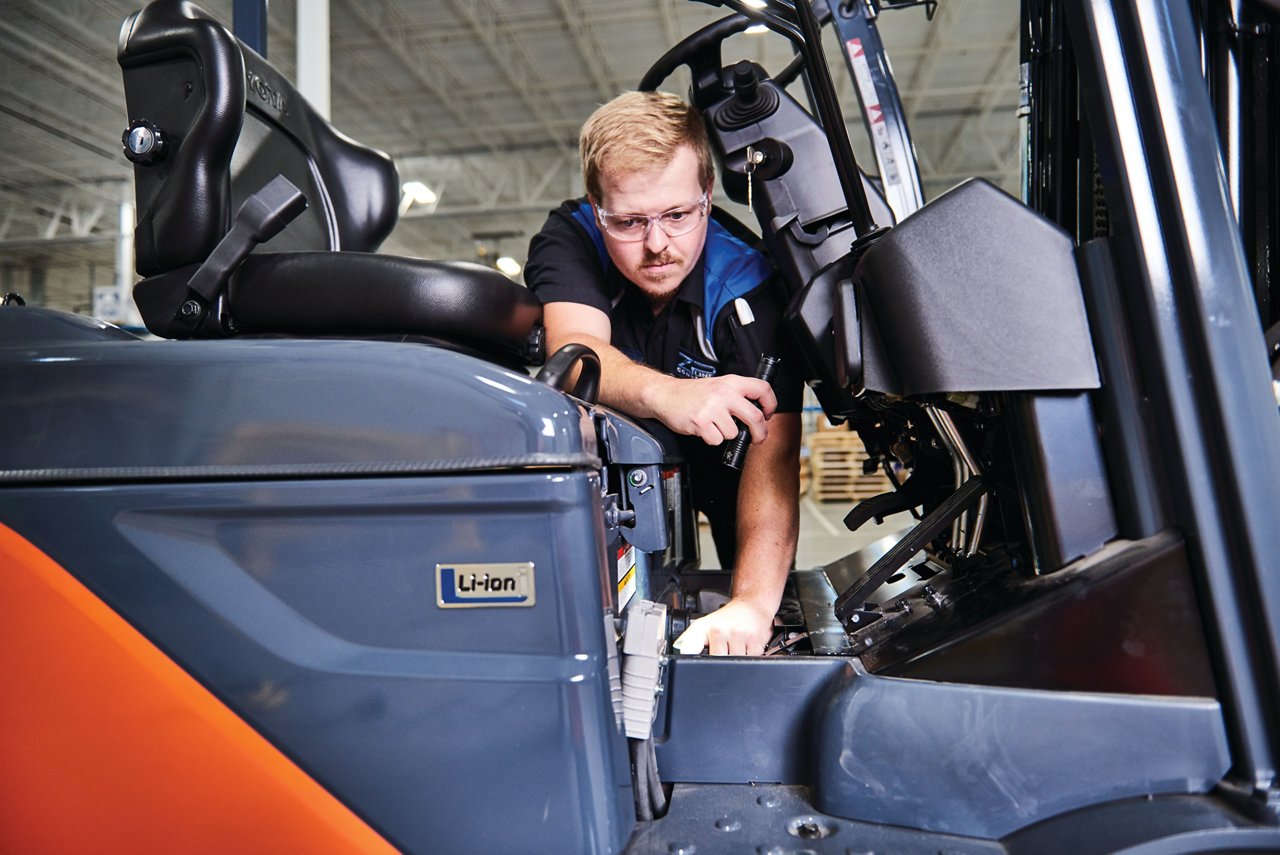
(1021, 602)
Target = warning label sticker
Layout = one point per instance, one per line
(626, 575)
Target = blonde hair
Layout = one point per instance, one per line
(640, 131)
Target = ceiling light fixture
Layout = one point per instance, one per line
(508, 265)
(419, 193)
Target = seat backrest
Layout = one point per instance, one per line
(228, 123)
(211, 124)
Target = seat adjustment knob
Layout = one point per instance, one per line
(144, 143)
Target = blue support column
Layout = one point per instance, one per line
(249, 22)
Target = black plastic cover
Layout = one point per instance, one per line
(974, 292)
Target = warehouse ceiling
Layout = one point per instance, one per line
(480, 100)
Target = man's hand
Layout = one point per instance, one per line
(738, 628)
(706, 407)
(703, 407)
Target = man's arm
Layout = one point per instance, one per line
(768, 527)
(704, 407)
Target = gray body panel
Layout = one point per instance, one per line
(86, 408)
(986, 761)
(271, 514)
(310, 609)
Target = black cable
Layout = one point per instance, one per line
(639, 763)
(657, 797)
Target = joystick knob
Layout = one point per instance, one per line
(746, 85)
(750, 102)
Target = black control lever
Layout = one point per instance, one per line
(262, 216)
(559, 369)
(915, 540)
(913, 493)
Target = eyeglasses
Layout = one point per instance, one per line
(635, 227)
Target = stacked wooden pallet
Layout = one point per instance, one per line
(835, 467)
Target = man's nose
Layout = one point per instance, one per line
(657, 240)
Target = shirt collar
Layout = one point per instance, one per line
(692, 289)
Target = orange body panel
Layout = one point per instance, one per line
(107, 745)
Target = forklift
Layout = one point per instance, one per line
(330, 568)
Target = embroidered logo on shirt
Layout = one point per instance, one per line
(692, 368)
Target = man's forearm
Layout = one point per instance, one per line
(768, 514)
(624, 383)
(768, 522)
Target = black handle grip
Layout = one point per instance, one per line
(735, 451)
(704, 44)
(558, 368)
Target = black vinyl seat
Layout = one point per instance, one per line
(211, 123)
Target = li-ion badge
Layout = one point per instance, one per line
(464, 586)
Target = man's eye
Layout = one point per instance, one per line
(675, 216)
(628, 223)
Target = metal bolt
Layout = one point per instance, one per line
(932, 597)
(637, 478)
(190, 309)
(808, 830)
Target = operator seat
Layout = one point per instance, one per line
(211, 123)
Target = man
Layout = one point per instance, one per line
(679, 311)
